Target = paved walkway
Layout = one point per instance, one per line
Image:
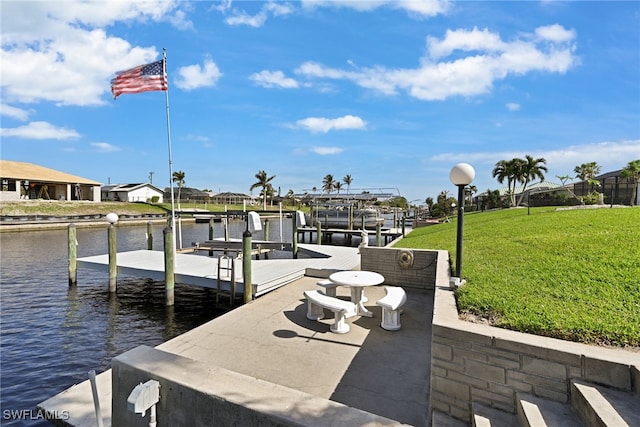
(382, 372)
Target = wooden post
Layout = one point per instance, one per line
(226, 228)
(266, 229)
(403, 224)
(246, 266)
(294, 235)
(149, 236)
(211, 222)
(395, 218)
(73, 255)
(364, 223)
(169, 276)
(319, 233)
(113, 266)
(378, 235)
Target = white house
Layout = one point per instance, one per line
(141, 192)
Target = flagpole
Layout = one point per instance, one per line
(173, 208)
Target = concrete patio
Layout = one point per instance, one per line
(382, 373)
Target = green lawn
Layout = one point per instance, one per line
(573, 274)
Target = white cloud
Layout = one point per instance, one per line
(415, 8)
(481, 58)
(180, 21)
(321, 124)
(419, 8)
(61, 52)
(241, 17)
(464, 40)
(14, 112)
(556, 33)
(323, 151)
(195, 76)
(278, 9)
(39, 130)
(513, 106)
(104, 147)
(267, 78)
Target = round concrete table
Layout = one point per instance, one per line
(357, 280)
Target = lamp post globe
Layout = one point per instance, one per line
(461, 175)
(112, 218)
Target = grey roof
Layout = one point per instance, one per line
(128, 187)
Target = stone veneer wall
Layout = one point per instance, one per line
(478, 363)
(475, 363)
(414, 268)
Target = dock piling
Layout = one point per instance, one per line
(294, 235)
(169, 277)
(319, 233)
(149, 236)
(266, 237)
(246, 265)
(378, 235)
(211, 222)
(113, 265)
(73, 255)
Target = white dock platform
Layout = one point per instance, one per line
(196, 270)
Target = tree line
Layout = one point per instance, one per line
(525, 172)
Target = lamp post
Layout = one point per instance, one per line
(461, 175)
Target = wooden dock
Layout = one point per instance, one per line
(235, 246)
(387, 235)
(196, 270)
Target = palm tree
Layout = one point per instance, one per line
(563, 179)
(509, 169)
(264, 183)
(328, 184)
(178, 178)
(290, 197)
(471, 190)
(348, 180)
(632, 173)
(529, 170)
(587, 172)
(337, 186)
(429, 202)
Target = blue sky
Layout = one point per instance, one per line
(393, 93)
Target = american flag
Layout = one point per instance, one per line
(143, 78)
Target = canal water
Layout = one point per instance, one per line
(51, 335)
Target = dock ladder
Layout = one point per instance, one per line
(226, 271)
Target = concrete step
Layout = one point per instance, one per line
(485, 416)
(534, 411)
(439, 419)
(600, 406)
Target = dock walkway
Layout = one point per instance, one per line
(195, 270)
(377, 371)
